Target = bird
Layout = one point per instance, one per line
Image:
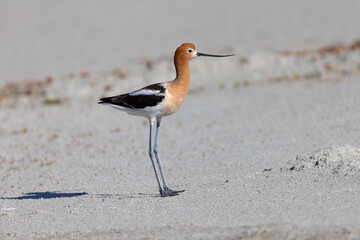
(157, 101)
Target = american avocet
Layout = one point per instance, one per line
(158, 100)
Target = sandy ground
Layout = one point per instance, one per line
(266, 144)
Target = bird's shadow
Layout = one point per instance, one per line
(51, 195)
(46, 195)
(126, 196)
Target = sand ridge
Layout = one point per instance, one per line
(338, 160)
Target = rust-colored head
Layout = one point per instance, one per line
(185, 52)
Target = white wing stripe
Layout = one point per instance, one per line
(147, 92)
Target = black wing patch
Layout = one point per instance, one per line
(138, 101)
(134, 102)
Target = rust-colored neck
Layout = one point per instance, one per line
(178, 88)
(182, 80)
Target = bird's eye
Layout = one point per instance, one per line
(190, 50)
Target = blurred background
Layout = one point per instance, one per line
(40, 38)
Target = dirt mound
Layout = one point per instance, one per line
(342, 160)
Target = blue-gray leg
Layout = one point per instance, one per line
(156, 152)
(166, 191)
(151, 123)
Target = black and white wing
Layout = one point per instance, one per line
(149, 96)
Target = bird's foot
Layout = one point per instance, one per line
(167, 192)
